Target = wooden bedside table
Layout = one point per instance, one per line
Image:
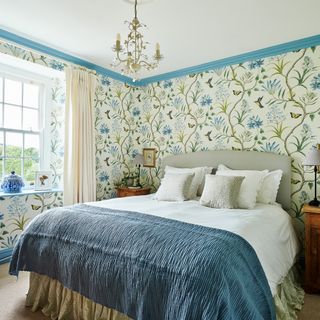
(312, 248)
(129, 192)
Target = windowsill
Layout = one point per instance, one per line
(27, 192)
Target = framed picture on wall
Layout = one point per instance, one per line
(149, 157)
(43, 180)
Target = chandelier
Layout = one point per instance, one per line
(131, 54)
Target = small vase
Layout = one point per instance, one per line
(12, 183)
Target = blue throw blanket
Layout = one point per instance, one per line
(145, 266)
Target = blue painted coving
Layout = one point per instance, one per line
(248, 56)
(61, 55)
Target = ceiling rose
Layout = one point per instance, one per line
(139, 1)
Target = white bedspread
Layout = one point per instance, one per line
(267, 228)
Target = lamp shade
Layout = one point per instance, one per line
(138, 159)
(312, 158)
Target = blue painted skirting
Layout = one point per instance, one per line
(5, 255)
(249, 56)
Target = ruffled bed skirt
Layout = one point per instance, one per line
(60, 303)
(289, 297)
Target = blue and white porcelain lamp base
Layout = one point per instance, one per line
(12, 183)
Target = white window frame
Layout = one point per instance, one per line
(45, 105)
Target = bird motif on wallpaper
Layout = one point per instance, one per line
(191, 125)
(106, 160)
(259, 103)
(108, 114)
(295, 181)
(35, 207)
(209, 83)
(295, 115)
(208, 135)
(169, 114)
(236, 92)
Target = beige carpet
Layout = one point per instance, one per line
(12, 297)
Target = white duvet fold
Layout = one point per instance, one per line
(268, 228)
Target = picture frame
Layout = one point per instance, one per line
(149, 157)
(43, 180)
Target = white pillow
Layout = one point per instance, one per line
(221, 191)
(198, 179)
(249, 187)
(174, 187)
(207, 170)
(269, 187)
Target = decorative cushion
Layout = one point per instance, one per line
(174, 187)
(269, 187)
(198, 180)
(249, 187)
(207, 170)
(221, 191)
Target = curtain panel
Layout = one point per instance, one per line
(79, 155)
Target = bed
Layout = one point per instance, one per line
(252, 246)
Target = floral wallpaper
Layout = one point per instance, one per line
(57, 131)
(115, 130)
(17, 211)
(31, 56)
(268, 105)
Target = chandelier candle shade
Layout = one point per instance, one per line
(313, 159)
(131, 54)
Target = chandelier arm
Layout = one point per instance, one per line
(149, 64)
(120, 59)
(135, 44)
(139, 44)
(127, 47)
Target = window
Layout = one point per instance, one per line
(21, 109)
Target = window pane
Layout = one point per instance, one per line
(13, 144)
(12, 91)
(12, 117)
(31, 95)
(1, 89)
(1, 144)
(30, 168)
(30, 119)
(1, 120)
(1, 153)
(13, 164)
(31, 145)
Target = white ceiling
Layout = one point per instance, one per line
(190, 32)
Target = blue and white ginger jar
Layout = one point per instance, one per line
(12, 183)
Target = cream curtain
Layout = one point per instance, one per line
(79, 157)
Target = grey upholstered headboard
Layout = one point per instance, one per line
(240, 160)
